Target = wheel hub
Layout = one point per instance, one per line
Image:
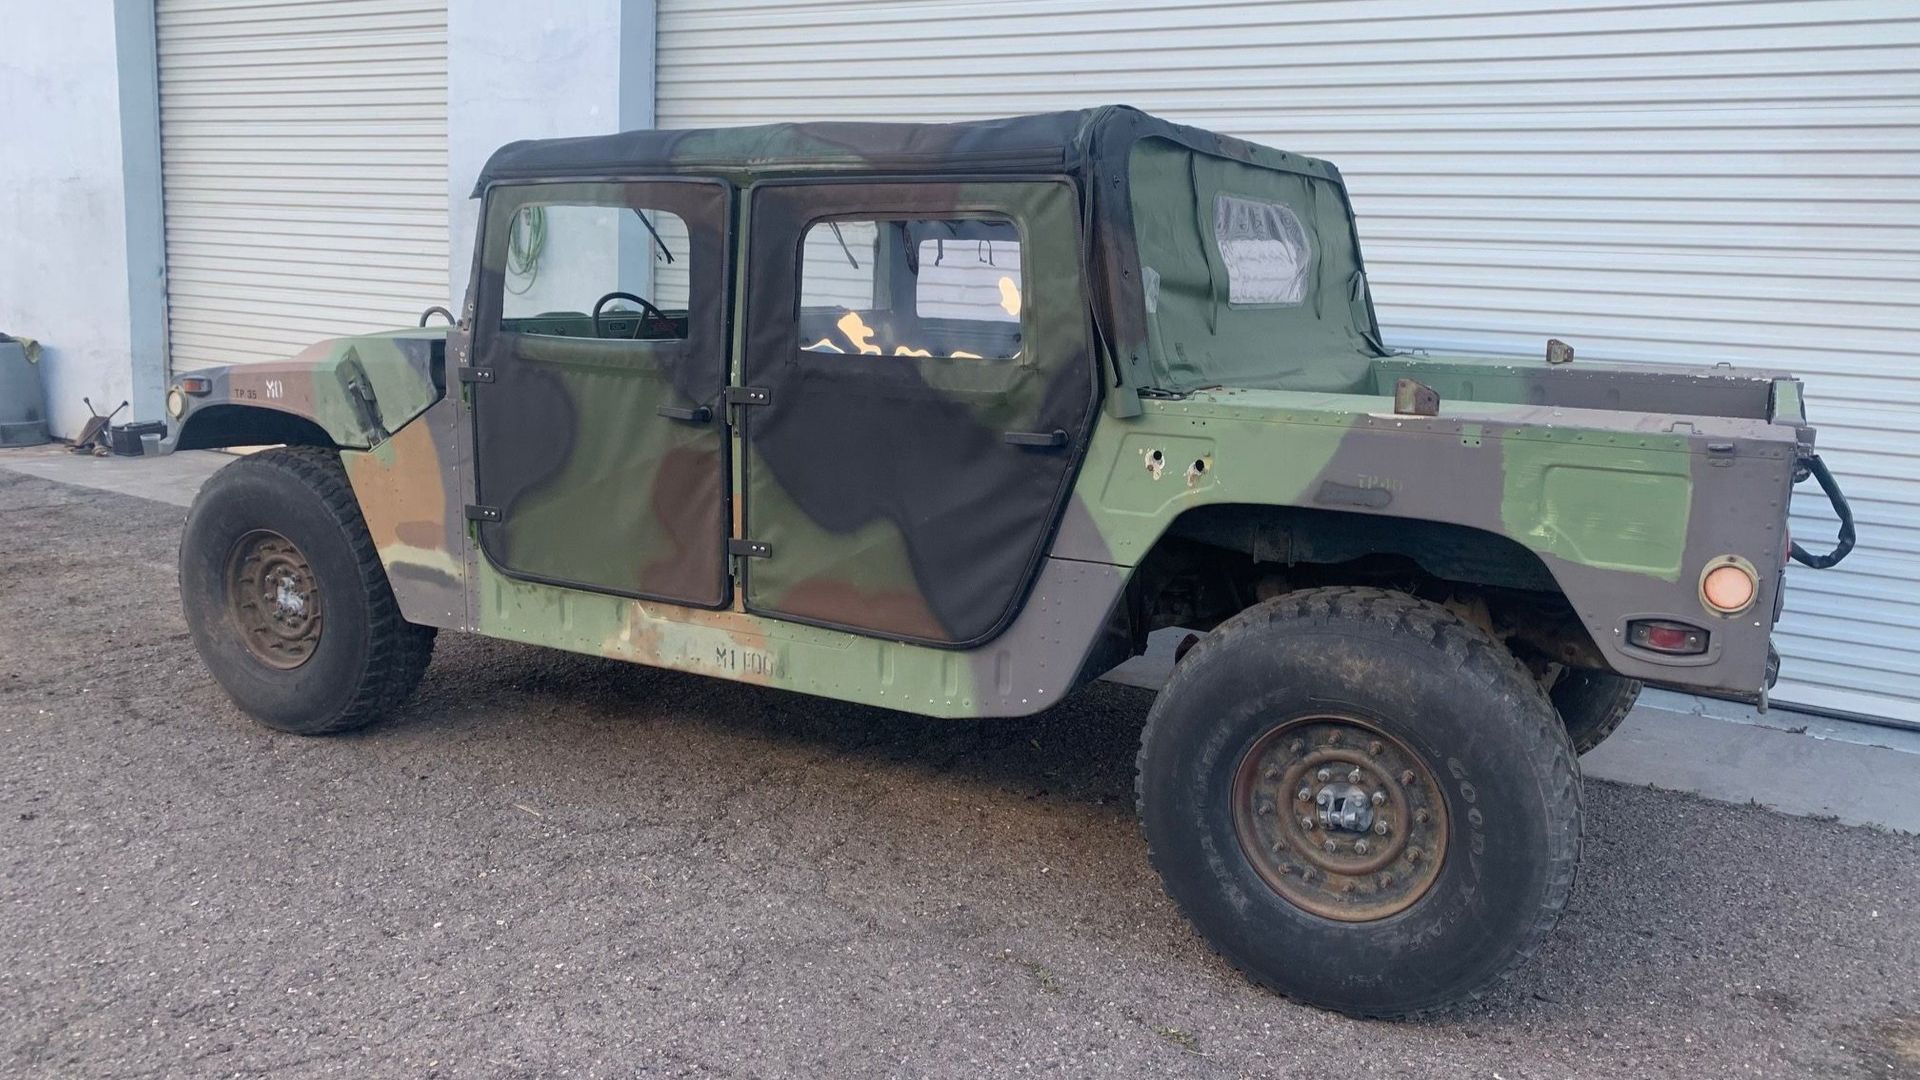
(273, 599)
(1345, 807)
(1340, 818)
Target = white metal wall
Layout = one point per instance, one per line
(304, 163)
(1647, 180)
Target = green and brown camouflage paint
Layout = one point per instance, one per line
(1624, 482)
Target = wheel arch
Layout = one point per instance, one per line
(225, 424)
(1299, 534)
(1215, 560)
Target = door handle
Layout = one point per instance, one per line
(698, 414)
(1053, 438)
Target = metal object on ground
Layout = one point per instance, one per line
(93, 438)
(1372, 846)
(129, 440)
(273, 599)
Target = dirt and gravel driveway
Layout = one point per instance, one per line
(553, 865)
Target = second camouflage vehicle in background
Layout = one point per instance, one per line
(949, 418)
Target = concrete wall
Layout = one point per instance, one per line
(65, 195)
(82, 264)
(532, 69)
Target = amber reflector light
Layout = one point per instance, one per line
(1728, 589)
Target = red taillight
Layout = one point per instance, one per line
(1662, 636)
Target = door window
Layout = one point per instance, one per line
(920, 287)
(596, 270)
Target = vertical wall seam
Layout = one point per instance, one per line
(136, 55)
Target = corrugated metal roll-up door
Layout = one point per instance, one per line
(1647, 180)
(304, 165)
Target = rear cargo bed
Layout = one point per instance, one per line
(1684, 391)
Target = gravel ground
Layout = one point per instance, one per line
(554, 865)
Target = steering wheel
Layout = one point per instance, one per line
(659, 317)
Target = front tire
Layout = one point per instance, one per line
(287, 600)
(1408, 740)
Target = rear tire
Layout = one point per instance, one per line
(1592, 704)
(287, 600)
(1461, 830)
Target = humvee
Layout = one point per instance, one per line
(949, 418)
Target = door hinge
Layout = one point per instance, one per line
(749, 395)
(482, 513)
(476, 374)
(751, 549)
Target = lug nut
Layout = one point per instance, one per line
(1270, 773)
(1380, 828)
(1421, 816)
(1354, 777)
(1306, 823)
(1386, 881)
(1347, 888)
(1360, 847)
(1330, 847)
(1297, 747)
(1304, 794)
(1374, 747)
(1265, 807)
(1413, 854)
(1407, 777)
(1324, 775)
(1379, 797)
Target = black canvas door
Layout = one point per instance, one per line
(927, 357)
(599, 442)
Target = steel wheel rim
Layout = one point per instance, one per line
(273, 599)
(1340, 764)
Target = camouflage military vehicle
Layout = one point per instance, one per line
(949, 418)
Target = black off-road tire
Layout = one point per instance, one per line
(1592, 704)
(1459, 704)
(366, 659)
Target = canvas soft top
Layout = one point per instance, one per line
(1073, 142)
(1162, 302)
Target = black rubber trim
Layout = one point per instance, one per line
(1844, 545)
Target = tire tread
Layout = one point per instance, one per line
(1469, 646)
(398, 651)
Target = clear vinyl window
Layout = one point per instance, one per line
(565, 260)
(1267, 254)
(922, 287)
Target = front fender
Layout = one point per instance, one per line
(355, 390)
